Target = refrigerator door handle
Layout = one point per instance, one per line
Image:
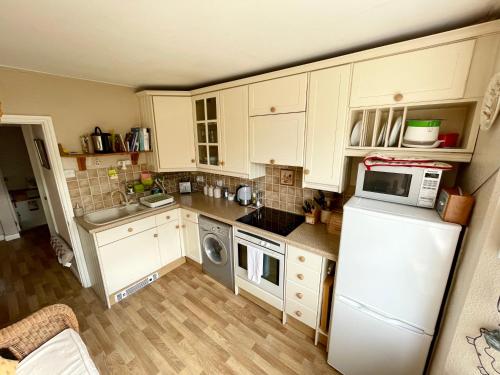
(376, 315)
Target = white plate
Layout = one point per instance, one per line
(416, 145)
(381, 136)
(356, 133)
(395, 131)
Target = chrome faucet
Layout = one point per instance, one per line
(124, 197)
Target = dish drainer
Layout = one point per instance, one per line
(457, 116)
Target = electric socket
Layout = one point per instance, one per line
(97, 162)
(199, 179)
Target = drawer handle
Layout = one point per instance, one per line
(398, 97)
(302, 258)
(188, 215)
(155, 235)
(300, 276)
(130, 229)
(298, 313)
(272, 161)
(299, 295)
(192, 160)
(168, 217)
(273, 109)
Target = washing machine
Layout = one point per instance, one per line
(217, 250)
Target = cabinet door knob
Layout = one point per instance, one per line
(299, 295)
(222, 163)
(188, 215)
(306, 171)
(272, 161)
(168, 217)
(176, 227)
(300, 276)
(298, 313)
(272, 109)
(183, 225)
(155, 235)
(398, 97)
(192, 160)
(302, 258)
(130, 229)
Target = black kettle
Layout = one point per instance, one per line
(101, 141)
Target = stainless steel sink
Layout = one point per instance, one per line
(112, 214)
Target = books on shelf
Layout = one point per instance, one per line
(138, 139)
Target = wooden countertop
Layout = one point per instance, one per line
(314, 238)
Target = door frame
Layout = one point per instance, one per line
(57, 169)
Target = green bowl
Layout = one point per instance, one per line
(423, 123)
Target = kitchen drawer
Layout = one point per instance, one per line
(303, 275)
(189, 215)
(167, 217)
(281, 95)
(305, 258)
(302, 313)
(126, 230)
(302, 295)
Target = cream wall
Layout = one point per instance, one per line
(476, 287)
(75, 106)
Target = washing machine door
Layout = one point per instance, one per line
(215, 249)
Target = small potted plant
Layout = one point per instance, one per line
(310, 211)
(322, 203)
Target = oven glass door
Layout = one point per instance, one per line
(273, 268)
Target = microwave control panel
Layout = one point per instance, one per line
(429, 188)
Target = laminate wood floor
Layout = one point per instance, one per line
(184, 323)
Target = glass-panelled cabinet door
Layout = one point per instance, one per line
(207, 130)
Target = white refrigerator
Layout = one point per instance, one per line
(394, 263)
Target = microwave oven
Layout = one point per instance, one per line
(413, 186)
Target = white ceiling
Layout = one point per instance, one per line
(178, 43)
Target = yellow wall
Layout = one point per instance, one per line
(76, 106)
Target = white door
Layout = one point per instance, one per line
(277, 139)
(436, 73)
(362, 343)
(130, 259)
(191, 240)
(281, 95)
(234, 128)
(395, 263)
(169, 242)
(174, 132)
(325, 128)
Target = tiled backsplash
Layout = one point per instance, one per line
(92, 188)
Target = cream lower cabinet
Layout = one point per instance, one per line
(190, 235)
(169, 116)
(277, 139)
(129, 259)
(430, 74)
(304, 276)
(169, 242)
(325, 130)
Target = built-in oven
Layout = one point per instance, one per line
(273, 266)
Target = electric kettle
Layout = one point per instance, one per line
(243, 195)
(101, 141)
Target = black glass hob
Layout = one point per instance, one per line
(275, 221)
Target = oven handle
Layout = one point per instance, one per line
(271, 253)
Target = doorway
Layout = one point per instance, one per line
(58, 210)
(24, 189)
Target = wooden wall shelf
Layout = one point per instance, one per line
(82, 158)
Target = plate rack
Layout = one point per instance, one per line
(383, 128)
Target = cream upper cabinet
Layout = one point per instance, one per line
(281, 95)
(326, 124)
(277, 139)
(207, 130)
(169, 117)
(174, 132)
(234, 129)
(429, 74)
